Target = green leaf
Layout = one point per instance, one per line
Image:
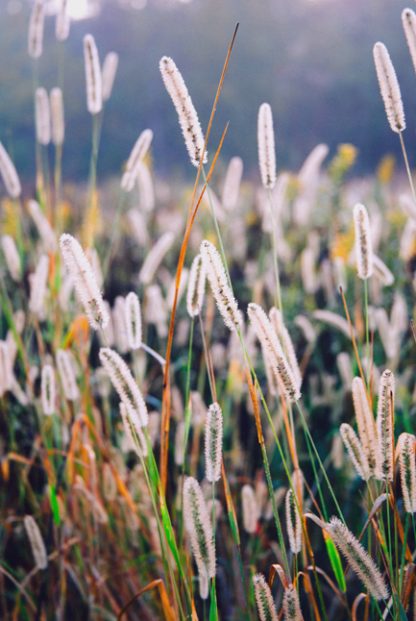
(336, 563)
(54, 505)
(213, 611)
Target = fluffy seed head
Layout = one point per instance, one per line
(283, 335)
(92, 75)
(125, 385)
(155, 257)
(365, 421)
(198, 526)
(264, 599)
(363, 244)
(196, 287)
(48, 389)
(137, 154)
(382, 272)
(38, 286)
(42, 117)
(213, 443)
(265, 141)
(389, 88)
(224, 297)
(108, 73)
(334, 320)
(273, 351)
(250, 509)
(188, 118)
(63, 22)
(291, 605)
(57, 116)
(133, 321)
(232, 183)
(6, 368)
(406, 447)
(9, 174)
(12, 257)
(35, 38)
(293, 523)
(85, 282)
(146, 189)
(133, 431)
(360, 562)
(43, 226)
(409, 27)
(355, 451)
(385, 440)
(36, 542)
(66, 370)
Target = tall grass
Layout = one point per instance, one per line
(170, 446)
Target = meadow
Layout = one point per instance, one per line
(207, 389)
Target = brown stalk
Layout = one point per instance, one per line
(165, 423)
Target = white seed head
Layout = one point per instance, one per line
(36, 542)
(57, 116)
(108, 73)
(133, 321)
(273, 352)
(355, 451)
(409, 27)
(291, 605)
(231, 189)
(385, 427)
(213, 443)
(406, 447)
(363, 243)
(389, 88)
(198, 526)
(85, 282)
(250, 509)
(92, 75)
(265, 140)
(264, 599)
(11, 255)
(155, 257)
(43, 226)
(196, 287)
(382, 272)
(67, 374)
(333, 320)
(48, 389)
(133, 431)
(9, 174)
(293, 523)
(6, 368)
(137, 154)
(42, 117)
(125, 385)
(365, 421)
(35, 36)
(146, 189)
(188, 118)
(63, 22)
(360, 562)
(224, 297)
(283, 335)
(38, 287)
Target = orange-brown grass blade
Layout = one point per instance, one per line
(155, 584)
(165, 423)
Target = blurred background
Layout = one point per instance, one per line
(311, 59)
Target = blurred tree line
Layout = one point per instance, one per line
(311, 59)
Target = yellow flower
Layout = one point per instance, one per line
(343, 244)
(385, 169)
